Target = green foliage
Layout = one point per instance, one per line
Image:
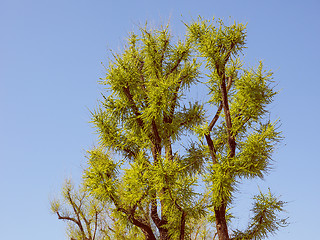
(265, 219)
(255, 152)
(156, 184)
(216, 44)
(100, 177)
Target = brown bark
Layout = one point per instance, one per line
(71, 219)
(220, 212)
(139, 222)
(212, 149)
(76, 210)
(221, 223)
(182, 225)
(225, 104)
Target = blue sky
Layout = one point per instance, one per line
(50, 62)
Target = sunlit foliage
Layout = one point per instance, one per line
(155, 178)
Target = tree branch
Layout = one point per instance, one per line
(212, 149)
(95, 225)
(72, 220)
(217, 115)
(154, 211)
(211, 125)
(75, 211)
(137, 221)
(166, 43)
(87, 222)
(225, 104)
(136, 112)
(177, 64)
(229, 52)
(154, 137)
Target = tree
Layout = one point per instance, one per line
(139, 166)
(89, 218)
(80, 210)
(241, 146)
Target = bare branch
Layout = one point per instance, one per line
(75, 210)
(211, 148)
(211, 125)
(217, 115)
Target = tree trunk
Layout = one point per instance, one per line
(221, 223)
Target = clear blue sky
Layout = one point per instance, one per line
(50, 62)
